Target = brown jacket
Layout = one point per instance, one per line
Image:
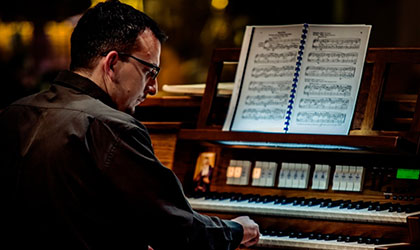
(78, 174)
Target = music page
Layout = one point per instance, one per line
(264, 78)
(329, 79)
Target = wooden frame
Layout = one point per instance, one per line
(378, 58)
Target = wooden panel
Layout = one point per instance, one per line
(414, 227)
(164, 146)
(390, 142)
(164, 138)
(213, 77)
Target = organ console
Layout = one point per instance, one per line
(360, 191)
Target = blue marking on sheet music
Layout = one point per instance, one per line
(296, 77)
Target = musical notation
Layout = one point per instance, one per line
(266, 100)
(276, 57)
(273, 71)
(263, 114)
(317, 89)
(274, 86)
(333, 57)
(324, 103)
(336, 43)
(330, 118)
(313, 70)
(331, 71)
(277, 43)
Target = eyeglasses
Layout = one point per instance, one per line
(154, 68)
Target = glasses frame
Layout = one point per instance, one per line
(155, 69)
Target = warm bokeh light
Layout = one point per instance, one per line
(58, 32)
(23, 30)
(138, 4)
(219, 4)
(59, 36)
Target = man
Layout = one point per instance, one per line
(77, 173)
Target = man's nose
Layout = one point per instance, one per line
(152, 87)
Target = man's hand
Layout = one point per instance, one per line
(251, 230)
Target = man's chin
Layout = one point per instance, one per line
(130, 111)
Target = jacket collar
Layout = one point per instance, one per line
(72, 80)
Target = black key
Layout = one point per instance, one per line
(306, 202)
(272, 233)
(378, 241)
(301, 235)
(244, 197)
(267, 199)
(350, 239)
(312, 236)
(382, 207)
(198, 195)
(293, 234)
(225, 196)
(335, 203)
(363, 205)
(330, 237)
(345, 204)
(254, 198)
(240, 197)
(315, 202)
(341, 238)
(278, 199)
(324, 203)
(369, 240)
(319, 236)
(287, 200)
(412, 208)
(265, 232)
(235, 196)
(401, 208)
(211, 196)
(282, 233)
(298, 200)
(394, 207)
(373, 206)
(354, 204)
(361, 240)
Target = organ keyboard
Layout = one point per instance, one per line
(321, 241)
(361, 191)
(346, 210)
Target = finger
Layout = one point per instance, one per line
(252, 241)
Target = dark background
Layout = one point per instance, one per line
(195, 28)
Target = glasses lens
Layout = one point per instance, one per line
(154, 73)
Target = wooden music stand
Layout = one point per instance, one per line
(377, 64)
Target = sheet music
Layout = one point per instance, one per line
(329, 76)
(263, 79)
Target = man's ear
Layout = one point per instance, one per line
(110, 60)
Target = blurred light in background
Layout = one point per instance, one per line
(31, 53)
(219, 4)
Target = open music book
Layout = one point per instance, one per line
(298, 79)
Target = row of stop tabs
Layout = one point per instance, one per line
(295, 175)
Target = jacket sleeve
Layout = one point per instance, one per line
(153, 194)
